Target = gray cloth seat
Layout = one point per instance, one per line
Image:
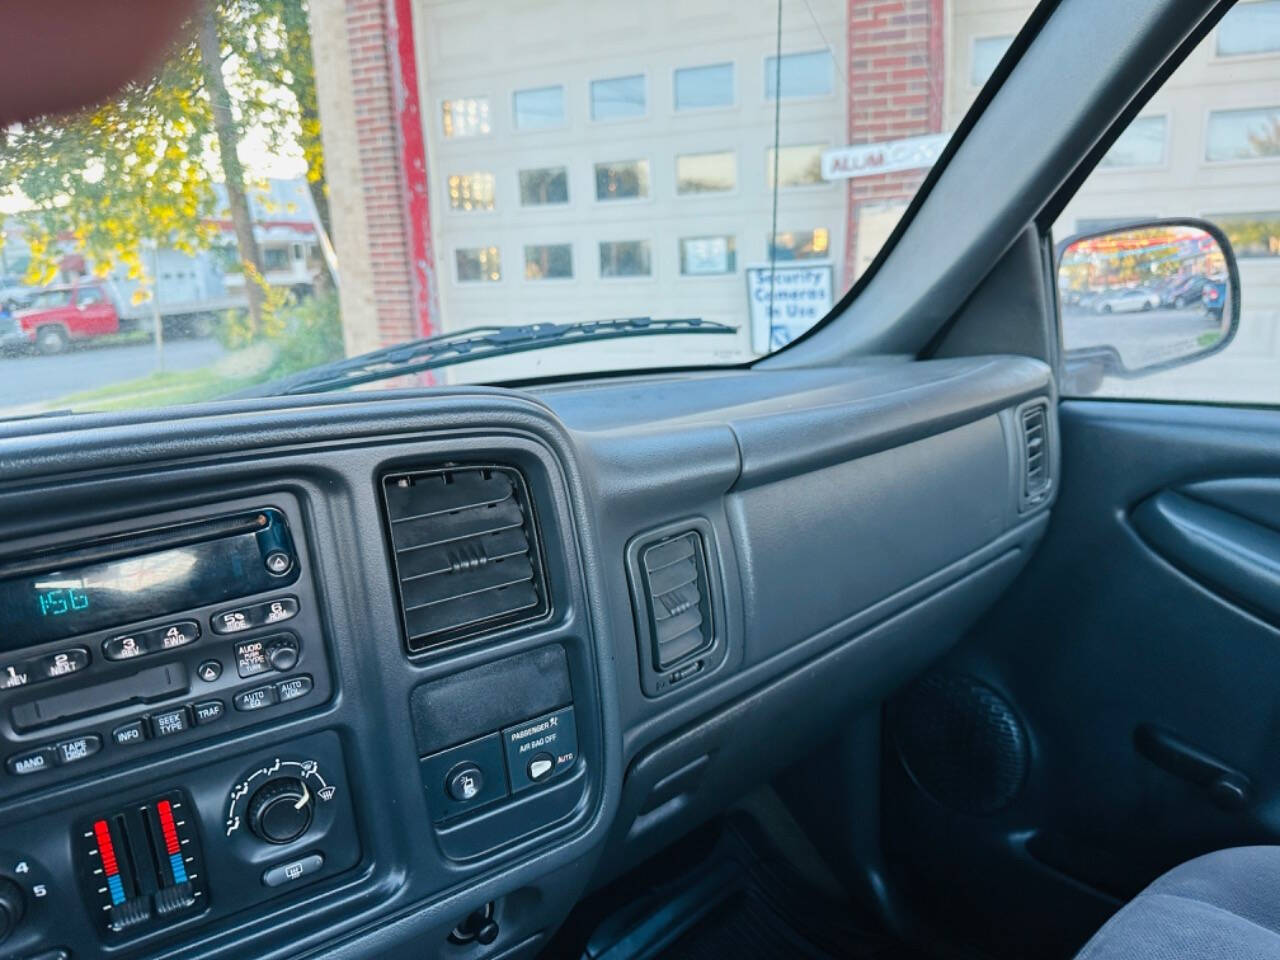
(1222, 905)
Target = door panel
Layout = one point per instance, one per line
(1139, 660)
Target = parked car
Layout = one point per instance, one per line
(1214, 297)
(58, 316)
(1129, 300)
(1185, 292)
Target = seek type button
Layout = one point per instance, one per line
(170, 722)
(539, 750)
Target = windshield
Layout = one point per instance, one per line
(304, 183)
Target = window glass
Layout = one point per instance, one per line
(1145, 313)
(548, 261)
(1243, 134)
(52, 298)
(803, 75)
(697, 88)
(622, 180)
(275, 258)
(985, 56)
(541, 108)
(544, 185)
(1252, 235)
(471, 191)
(707, 256)
(617, 98)
(1252, 26)
(467, 117)
(798, 166)
(529, 134)
(89, 296)
(625, 258)
(801, 244)
(1141, 144)
(478, 264)
(706, 172)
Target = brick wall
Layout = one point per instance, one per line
(895, 91)
(382, 179)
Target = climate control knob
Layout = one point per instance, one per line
(281, 810)
(12, 906)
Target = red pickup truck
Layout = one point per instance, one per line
(59, 315)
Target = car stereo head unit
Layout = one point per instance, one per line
(142, 575)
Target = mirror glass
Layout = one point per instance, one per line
(1138, 298)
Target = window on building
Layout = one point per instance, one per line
(800, 245)
(707, 256)
(541, 108)
(465, 117)
(1252, 26)
(1141, 144)
(548, 261)
(697, 88)
(1243, 134)
(798, 166)
(984, 55)
(625, 258)
(622, 180)
(1251, 234)
(543, 186)
(803, 75)
(275, 258)
(618, 98)
(478, 264)
(706, 172)
(471, 191)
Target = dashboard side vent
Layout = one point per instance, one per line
(1036, 478)
(676, 588)
(467, 558)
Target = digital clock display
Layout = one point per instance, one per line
(60, 601)
(76, 599)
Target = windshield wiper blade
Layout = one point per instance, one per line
(475, 343)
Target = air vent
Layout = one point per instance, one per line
(675, 586)
(466, 552)
(1035, 449)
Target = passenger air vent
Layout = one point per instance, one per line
(1036, 478)
(675, 585)
(466, 552)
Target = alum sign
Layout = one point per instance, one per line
(868, 159)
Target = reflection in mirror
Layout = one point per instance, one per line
(1146, 297)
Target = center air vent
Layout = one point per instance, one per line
(466, 552)
(675, 580)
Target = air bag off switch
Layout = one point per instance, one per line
(541, 749)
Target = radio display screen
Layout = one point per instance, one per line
(77, 599)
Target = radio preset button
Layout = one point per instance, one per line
(255, 615)
(77, 748)
(170, 722)
(209, 670)
(33, 761)
(208, 711)
(174, 635)
(126, 647)
(130, 733)
(293, 688)
(14, 675)
(63, 663)
(255, 699)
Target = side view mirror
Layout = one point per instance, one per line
(1143, 297)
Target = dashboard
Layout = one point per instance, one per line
(410, 673)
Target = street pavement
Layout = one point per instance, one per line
(29, 378)
(1142, 337)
